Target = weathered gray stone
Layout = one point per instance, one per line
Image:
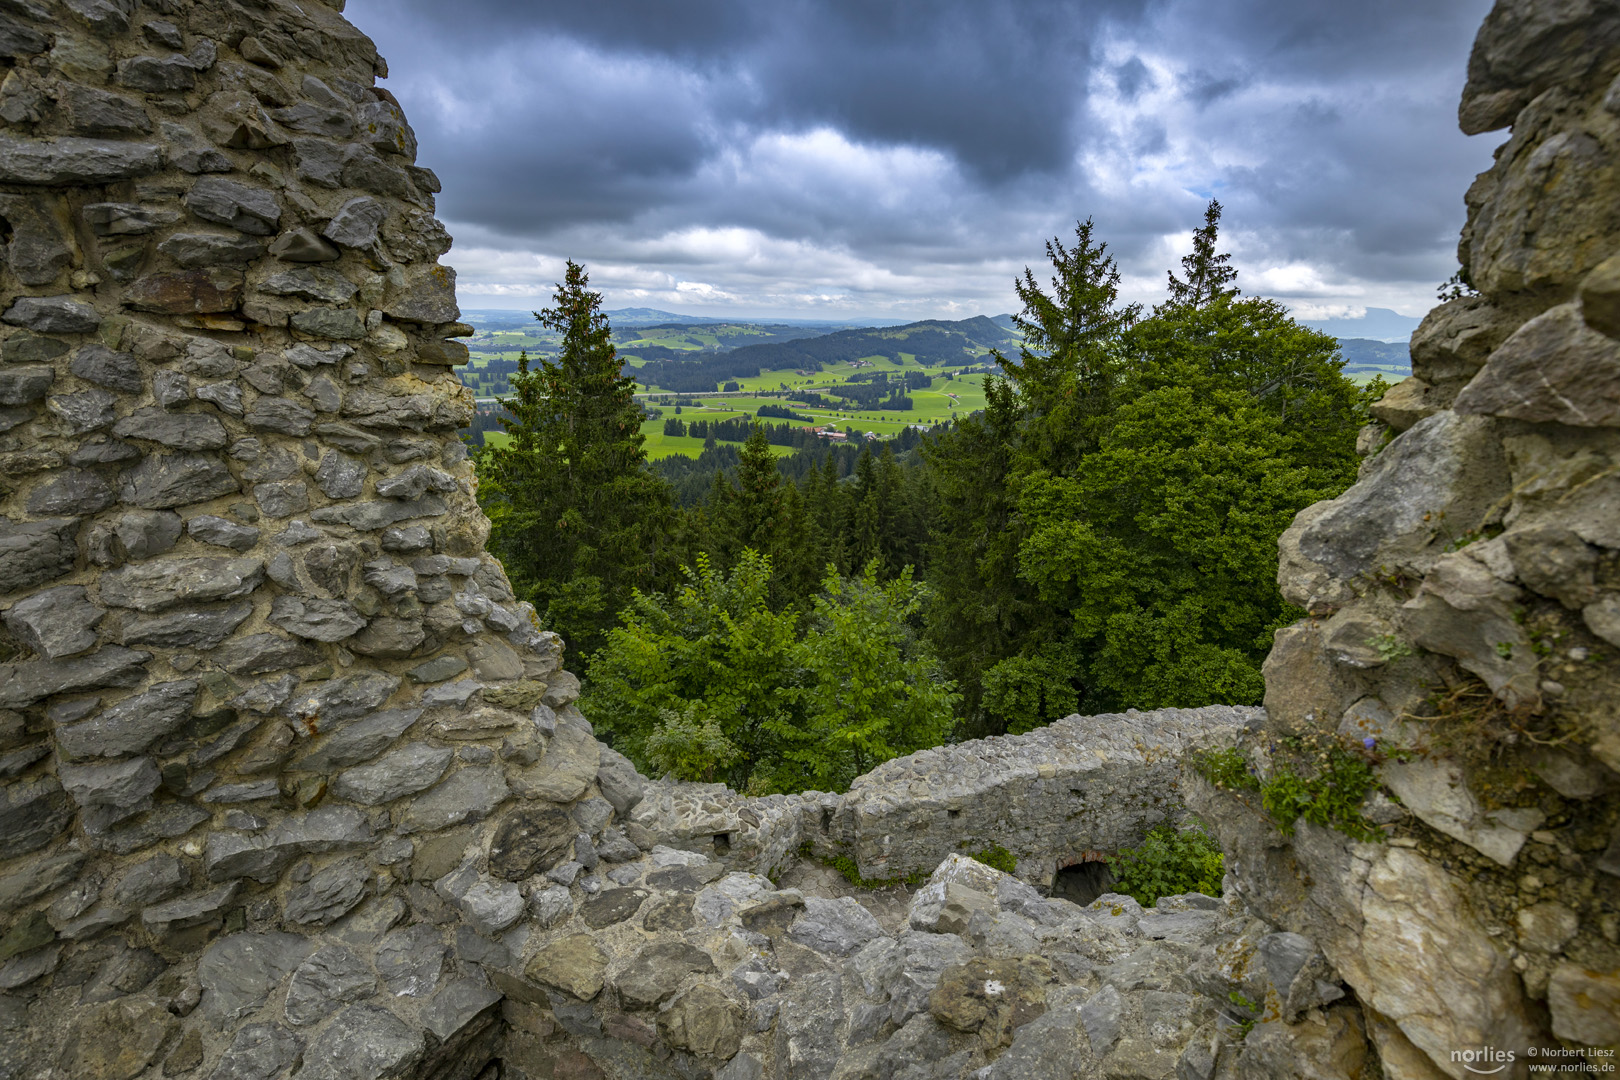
(389, 638)
(34, 552)
(1553, 369)
(263, 855)
(468, 795)
(619, 781)
(343, 698)
(120, 785)
(1446, 468)
(364, 1042)
(428, 295)
(33, 680)
(156, 74)
(332, 892)
(20, 385)
(312, 283)
(50, 314)
(107, 367)
(838, 927)
(259, 1052)
(101, 450)
(39, 876)
(132, 725)
(85, 411)
(394, 775)
(658, 971)
(457, 1005)
(389, 578)
(71, 161)
(72, 491)
(279, 414)
(414, 482)
(212, 529)
(332, 976)
(194, 251)
(340, 476)
(371, 516)
(239, 971)
(612, 906)
(162, 584)
(316, 619)
(303, 246)
(145, 533)
(56, 622)
(571, 763)
(410, 960)
(281, 499)
(491, 906)
(261, 653)
(226, 396)
(188, 911)
(169, 480)
(337, 324)
(358, 741)
(356, 222)
(247, 209)
(152, 881)
(182, 431)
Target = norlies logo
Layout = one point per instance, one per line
(1485, 1061)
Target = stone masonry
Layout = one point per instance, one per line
(1075, 791)
(1464, 601)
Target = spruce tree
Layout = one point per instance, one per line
(1208, 273)
(578, 520)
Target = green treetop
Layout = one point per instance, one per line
(578, 521)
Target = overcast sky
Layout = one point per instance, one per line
(906, 158)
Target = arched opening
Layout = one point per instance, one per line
(1083, 882)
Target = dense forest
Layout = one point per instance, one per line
(1101, 536)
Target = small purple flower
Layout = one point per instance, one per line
(1369, 742)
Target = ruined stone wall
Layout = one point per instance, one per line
(257, 675)
(1464, 601)
(1077, 790)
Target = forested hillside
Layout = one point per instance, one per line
(1101, 534)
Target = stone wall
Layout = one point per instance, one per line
(1465, 606)
(1075, 791)
(257, 675)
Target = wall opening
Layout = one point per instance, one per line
(722, 843)
(1083, 882)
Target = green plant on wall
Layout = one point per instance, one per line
(1169, 862)
(996, 857)
(1330, 794)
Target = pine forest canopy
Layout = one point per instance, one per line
(1102, 534)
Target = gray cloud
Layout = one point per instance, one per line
(907, 156)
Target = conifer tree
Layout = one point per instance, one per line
(578, 520)
(1208, 273)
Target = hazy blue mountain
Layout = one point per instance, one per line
(1378, 324)
(1364, 356)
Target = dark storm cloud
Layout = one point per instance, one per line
(917, 151)
(993, 82)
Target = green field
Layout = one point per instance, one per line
(933, 405)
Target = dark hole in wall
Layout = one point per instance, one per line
(953, 814)
(1083, 882)
(722, 843)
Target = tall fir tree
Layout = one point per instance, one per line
(1208, 272)
(578, 520)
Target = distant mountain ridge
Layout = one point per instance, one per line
(1378, 324)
